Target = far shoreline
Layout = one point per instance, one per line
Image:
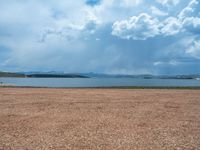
(111, 87)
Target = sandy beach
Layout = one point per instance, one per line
(124, 119)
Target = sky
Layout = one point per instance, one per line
(102, 36)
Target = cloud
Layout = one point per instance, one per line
(4, 53)
(188, 9)
(171, 26)
(144, 26)
(170, 62)
(71, 31)
(158, 12)
(192, 24)
(80, 36)
(194, 49)
(136, 28)
(130, 3)
(168, 2)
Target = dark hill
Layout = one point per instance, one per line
(9, 74)
(55, 76)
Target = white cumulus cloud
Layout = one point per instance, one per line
(171, 26)
(192, 24)
(144, 26)
(188, 9)
(157, 12)
(137, 27)
(168, 2)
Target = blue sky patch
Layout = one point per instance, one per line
(93, 2)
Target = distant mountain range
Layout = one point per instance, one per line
(142, 76)
(54, 74)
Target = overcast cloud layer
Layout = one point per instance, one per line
(107, 36)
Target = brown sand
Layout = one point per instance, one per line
(99, 119)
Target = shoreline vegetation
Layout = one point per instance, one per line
(7, 85)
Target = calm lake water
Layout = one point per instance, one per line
(97, 82)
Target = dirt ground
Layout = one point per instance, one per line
(106, 119)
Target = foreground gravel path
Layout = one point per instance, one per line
(99, 119)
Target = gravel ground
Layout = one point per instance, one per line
(120, 119)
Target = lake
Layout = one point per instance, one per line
(99, 82)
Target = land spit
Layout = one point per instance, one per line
(39, 118)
